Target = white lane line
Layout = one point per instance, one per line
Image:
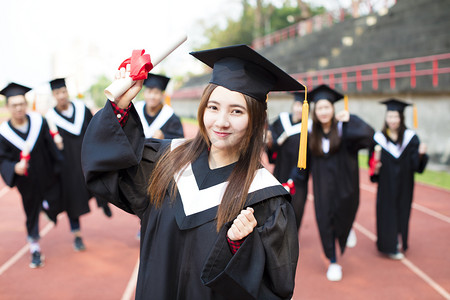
(419, 207)
(4, 190)
(408, 264)
(131, 286)
(24, 250)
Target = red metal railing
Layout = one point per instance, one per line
(374, 73)
(419, 66)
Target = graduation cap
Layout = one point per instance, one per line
(395, 104)
(241, 69)
(324, 92)
(156, 81)
(14, 89)
(57, 83)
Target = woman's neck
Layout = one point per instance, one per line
(326, 127)
(220, 158)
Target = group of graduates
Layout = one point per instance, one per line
(215, 224)
(41, 156)
(334, 139)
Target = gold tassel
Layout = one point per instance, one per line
(167, 100)
(346, 102)
(416, 122)
(304, 134)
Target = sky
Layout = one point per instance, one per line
(84, 39)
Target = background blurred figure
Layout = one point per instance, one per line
(157, 118)
(283, 139)
(71, 119)
(334, 144)
(30, 161)
(400, 156)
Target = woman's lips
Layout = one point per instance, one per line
(221, 134)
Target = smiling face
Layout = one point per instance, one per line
(226, 119)
(17, 106)
(153, 97)
(324, 111)
(62, 97)
(393, 120)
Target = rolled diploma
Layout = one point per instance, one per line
(120, 86)
(25, 156)
(57, 138)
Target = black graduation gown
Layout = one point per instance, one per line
(75, 195)
(165, 120)
(284, 154)
(395, 188)
(336, 184)
(41, 183)
(182, 254)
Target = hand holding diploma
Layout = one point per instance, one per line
(375, 163)
(21, 168)
(55, 135)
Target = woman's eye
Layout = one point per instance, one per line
(212, 107)
(236, 111)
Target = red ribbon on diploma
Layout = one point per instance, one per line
(26, 157)
(140, 64)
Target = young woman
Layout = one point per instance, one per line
(402, 155)
(283, 140)
(334, 144)
(214, 223)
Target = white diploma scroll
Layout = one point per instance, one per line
(377, 153)
(120, 86)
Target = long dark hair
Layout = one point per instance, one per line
(315, 140)
(401, 128)
(239, 182)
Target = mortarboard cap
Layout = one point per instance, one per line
(395, 104)
(239, 68)
(57, 83)
(14, 89)
(324, 92)
(156, 81)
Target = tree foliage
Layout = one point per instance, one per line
(258, 20)
(97, 90)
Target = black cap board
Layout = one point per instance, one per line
(239, 68)
(14, 89)
(395, 104)
(156, 81)
(324, 92)
(57, 83)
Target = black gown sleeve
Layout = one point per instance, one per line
(117, 162)
(7, 164)
(173, 129)
(358, 134)
(265, 264)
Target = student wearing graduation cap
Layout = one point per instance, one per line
(215, 223)
(71, 119)
(283, 139)
(30, 161)
(158, 119)
(401, 155)
(334, 144)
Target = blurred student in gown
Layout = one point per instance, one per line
(30, 161)
(158, 119)
(334, 144)
(215, 223)
(283, 140)
(398, 156)
(70, 119)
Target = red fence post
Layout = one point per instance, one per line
(413, 75)
(375, 79)
(392, 76)
(435, 73)
(344, 81)
(358, 80)
(331, 79)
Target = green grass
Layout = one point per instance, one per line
(435, 178)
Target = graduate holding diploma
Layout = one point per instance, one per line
(214, 223)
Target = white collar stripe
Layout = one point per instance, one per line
(395, 150)
(287, 125)
(163, 116)
(33, 134)
(75, 127)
